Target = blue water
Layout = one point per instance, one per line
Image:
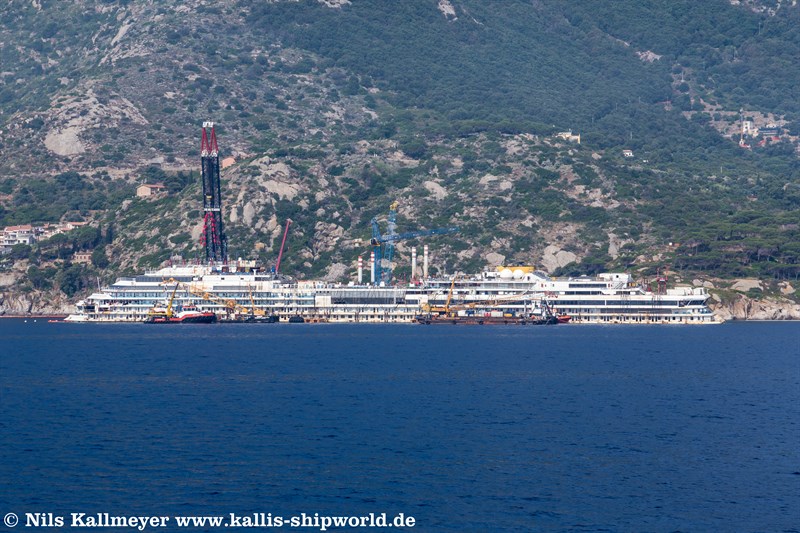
(506, 428)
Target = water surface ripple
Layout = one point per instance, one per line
(562, 428)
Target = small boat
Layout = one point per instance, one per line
(296, 319)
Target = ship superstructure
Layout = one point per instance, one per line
(605, 298)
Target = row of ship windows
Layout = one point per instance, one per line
(183, 296)
(261, 298)
(614, 312)
(593, 303)
(628, 303)
(641, 318)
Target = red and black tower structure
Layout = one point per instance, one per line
(213, 237)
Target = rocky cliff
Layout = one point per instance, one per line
(15, 300)
(42, 303)
(745, 308)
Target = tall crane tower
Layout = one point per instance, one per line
(213, 238)
(383, 245)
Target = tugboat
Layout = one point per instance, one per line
(188, 314)
(562, 318)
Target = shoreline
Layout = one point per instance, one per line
(33, 315)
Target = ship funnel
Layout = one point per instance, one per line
(372, 267)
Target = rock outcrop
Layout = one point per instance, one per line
(744, 308)
(554, 258)
(35, 303)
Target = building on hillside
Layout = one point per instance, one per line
(150, 189)
(569, 136)
(67, 226)
(82, 257)
(48, 230)
(25, 234)
(627, 153)
(30, 234)
(14, 235)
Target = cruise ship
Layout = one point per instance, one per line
(240, 292)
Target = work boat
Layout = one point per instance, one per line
(187, 313)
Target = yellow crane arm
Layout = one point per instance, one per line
(450, 294)
(428, 308)
(171, 299)
(205, 295)
(253, 309)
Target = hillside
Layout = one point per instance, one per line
(334, 109)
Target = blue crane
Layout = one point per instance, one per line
(383, 245)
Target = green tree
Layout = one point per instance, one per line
(41, 278)
(20, 251)
(99, 258)
(86, 237)
(72, 280)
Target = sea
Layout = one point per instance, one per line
(462, 428)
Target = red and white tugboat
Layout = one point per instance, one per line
(188, 314)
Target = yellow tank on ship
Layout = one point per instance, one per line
(526, 269)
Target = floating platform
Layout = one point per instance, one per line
(485, 320)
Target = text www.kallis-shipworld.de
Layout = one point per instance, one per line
(256, 520)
